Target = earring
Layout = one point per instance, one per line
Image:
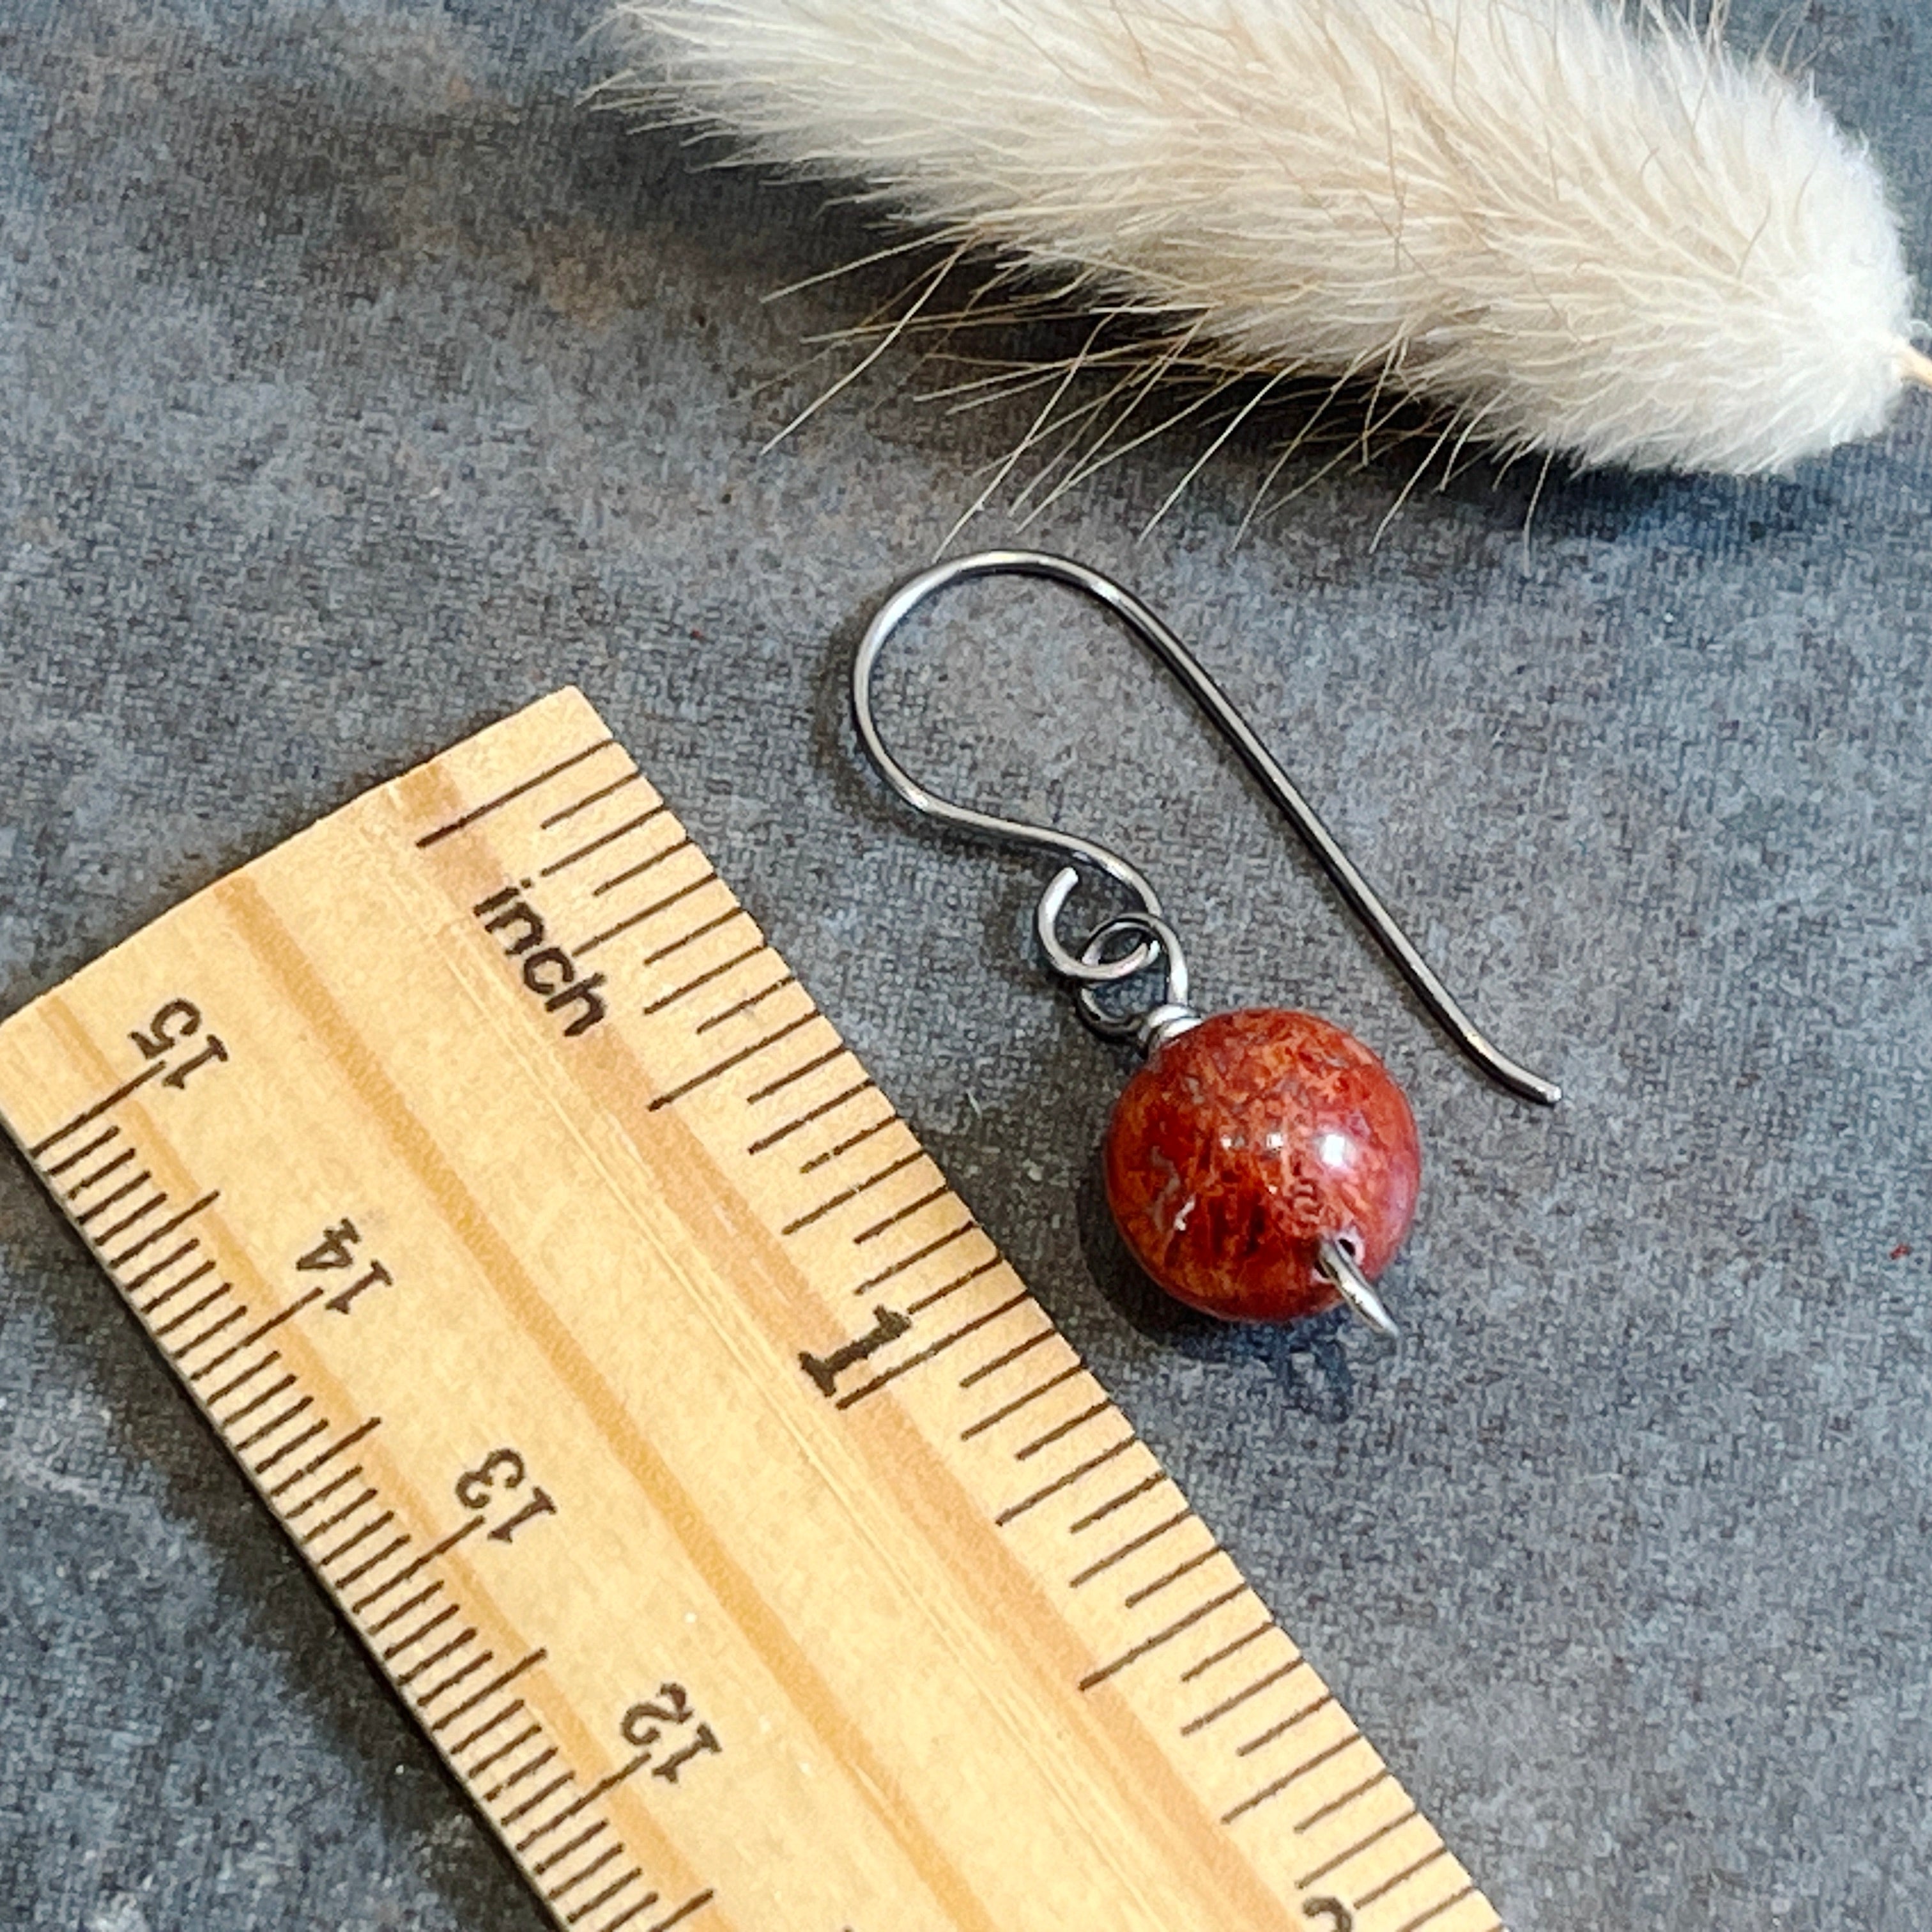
(1262, 1164)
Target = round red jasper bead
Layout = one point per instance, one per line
(1243, 1142)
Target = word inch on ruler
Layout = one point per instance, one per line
(742, 1533)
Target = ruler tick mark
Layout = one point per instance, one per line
(917, 1255)
(852, 1192)
(516, 791)
(1173, 1576)
(1012, 1407)
(1402, 1878)
(269, 1429)
(797, 1073)
(530, 1770)
(604, 1897)
(342, 1515)
(455, 1678)
(188, 1280)
(603, 839)
(1436, 1911)
(127, 1221)
(235, 1382)
(161, 1267)
(1078, 1473)
(1240, 1697)
(435, 1656)
(577, 1844)
(682, 1913)
(1146, 1645)
(188, 1315)
(695, 933)
(115, 1263)
(845, 1146)
(74, 1160)
(1287, 1724)
(322, 1528)
(1367, 1785)
(838, 1100)
(402, 1609)
(300, 1440)
(638, 870)
(904, 1213)
(288, 1483)
(428, 1556)
(1281, 1784)
(1062, 1429)
(543, 1831)
(650, 912)
(254, 1403)
(502, 1751)
(288, 1314)
(588, 799)
(100, 1174)
(953, 1286)
(704, 979)
(490, 1690)
(1127, 1549)
(421, 1631)
(208, 1334)
(1227, 1650)
(382, 1556)
(529, 1805)
(1355, 1850)
(604, 1785)
(643, 1905)
(745, 1005)
(1012, 1355)
(737, 1059)
(596, 1864)
(94, 1112)
(267, 1327)
(368, 1529)
(328, 1489)
(120, 1193)
(1120, 1501)
(938, 1347)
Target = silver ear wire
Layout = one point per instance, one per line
(1074, 964)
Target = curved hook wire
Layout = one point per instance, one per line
(1209, 696)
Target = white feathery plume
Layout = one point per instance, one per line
(1577, 234)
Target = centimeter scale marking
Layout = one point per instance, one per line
(743, 1534)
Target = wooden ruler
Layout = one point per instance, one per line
(746, 1538)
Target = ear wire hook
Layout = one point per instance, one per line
(1089, 968)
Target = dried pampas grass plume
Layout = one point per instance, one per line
(1577, 234)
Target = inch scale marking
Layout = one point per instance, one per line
(743, 1534)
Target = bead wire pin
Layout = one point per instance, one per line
(1132, 943)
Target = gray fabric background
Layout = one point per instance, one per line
(357, 385)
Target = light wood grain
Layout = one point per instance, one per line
(813, 1586)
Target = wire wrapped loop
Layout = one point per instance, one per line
(1149, 1024)
(1087, 966)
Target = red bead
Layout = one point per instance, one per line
(1241, 1144)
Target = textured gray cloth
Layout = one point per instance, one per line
(360, 384)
